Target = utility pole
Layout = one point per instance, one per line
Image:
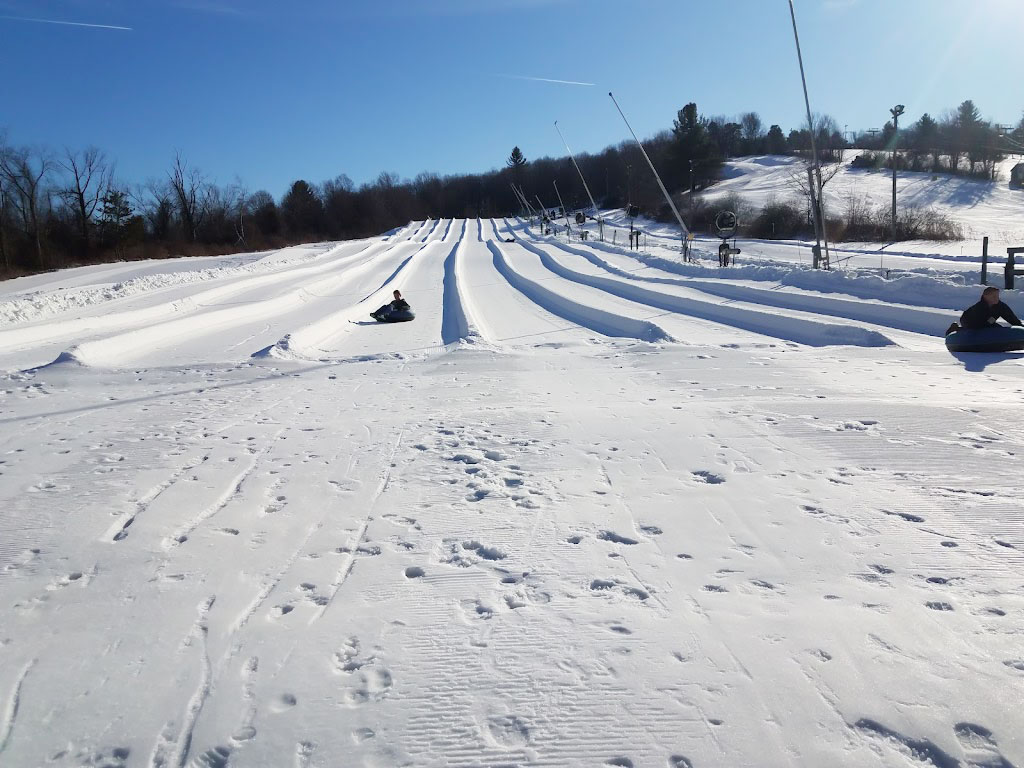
(597, 213)
(821, 235)
(896, 112)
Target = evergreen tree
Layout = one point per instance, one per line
(969, 125)
(925, 139)
(115, 215)
(775, 141)
(693, 154)
(302, 210)
(516, 159)
(516, 163)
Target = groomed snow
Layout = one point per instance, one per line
(591, 508)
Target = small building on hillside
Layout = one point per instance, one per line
(1017, 175)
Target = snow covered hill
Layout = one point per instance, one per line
(590, 508)
(983, 209)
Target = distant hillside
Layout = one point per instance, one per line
(981, 208)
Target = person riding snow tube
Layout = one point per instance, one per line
(980, 331)
(398, 311)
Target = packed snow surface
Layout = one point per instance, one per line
(592, 507)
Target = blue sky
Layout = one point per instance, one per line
(271, 91)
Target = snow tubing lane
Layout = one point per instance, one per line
(811, 333)
(597, 320)
(1001, 339)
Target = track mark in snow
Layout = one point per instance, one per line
(905, 516)
(180, 746)
(357, 541)
(217, 757)
(923, 751)
(304, 753)
(508, 732)
(284, 702)
(246, 730)
(616, 538)
(980, 746)
(181, 535)
(11, 710)
(119, 530)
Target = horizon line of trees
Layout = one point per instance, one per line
(59, 209)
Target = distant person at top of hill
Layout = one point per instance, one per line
(986, 313)
(398, 305)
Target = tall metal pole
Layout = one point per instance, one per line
(526, 200)
(519, 199)
(664, 191)
(820, 231)
(544, 214)
(597, 212)
(895, 112)
(568, 228)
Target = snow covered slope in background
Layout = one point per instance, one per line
(980, 208)
(591, 508)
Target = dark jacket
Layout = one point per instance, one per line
(399, 305)
(982, 315)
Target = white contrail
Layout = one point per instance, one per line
(546, 80)
(67, 23)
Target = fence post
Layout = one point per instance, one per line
(984, 262)
(1009, 271)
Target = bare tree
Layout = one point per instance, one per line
(24, 172)
(800, 183)
(753, 128)
(89, 177)
(5, 253)
(155, 201)
(237, 197)
(190, 191)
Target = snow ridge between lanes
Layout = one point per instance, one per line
(598, 320)
(900, 317)
(801, 331)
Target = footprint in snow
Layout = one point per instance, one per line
(979, 746)
(284, 702)
(615, 538)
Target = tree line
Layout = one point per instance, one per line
(64, 208)
(961, 142)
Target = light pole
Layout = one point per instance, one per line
(895, 112)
